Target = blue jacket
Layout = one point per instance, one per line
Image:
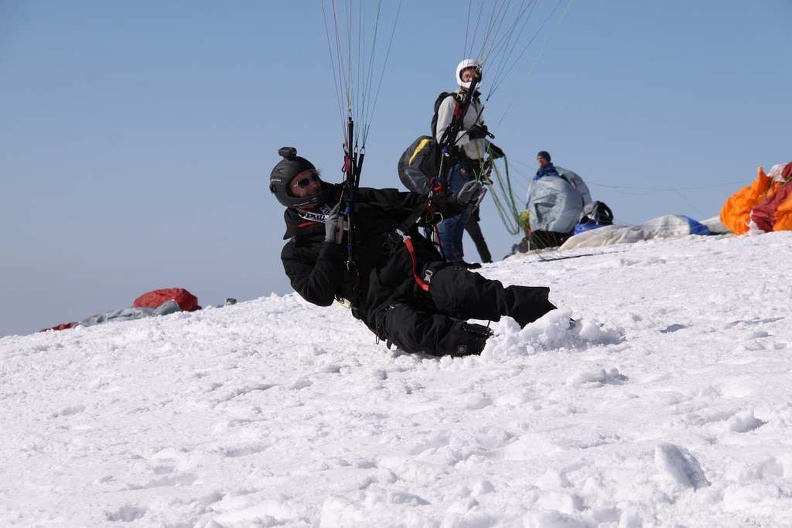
(546, 170)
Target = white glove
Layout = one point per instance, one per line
(331, 223)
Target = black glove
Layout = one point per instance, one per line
(495, 151)
(470, 192)
(331, 223)
(478, 131)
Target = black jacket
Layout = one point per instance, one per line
(383, 268)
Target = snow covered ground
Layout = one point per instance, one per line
(669, 404)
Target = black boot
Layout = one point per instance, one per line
(526, 304)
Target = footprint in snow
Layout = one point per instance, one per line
(670, 329)
(677, 462)
(597, 377)
(743, 422)
(68, 411)
(125, 514)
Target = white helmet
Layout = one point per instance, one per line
(467, 63)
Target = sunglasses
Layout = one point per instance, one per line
(302, 183)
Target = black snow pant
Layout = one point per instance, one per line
(436, 325)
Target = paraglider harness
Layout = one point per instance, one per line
(448, 152)
(447, 141)
(425, 214)
(422, 165)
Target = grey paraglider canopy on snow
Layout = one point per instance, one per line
(555, 203)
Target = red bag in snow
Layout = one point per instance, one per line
(62, 326)
(154, 299)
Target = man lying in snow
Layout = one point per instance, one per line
(399, 286)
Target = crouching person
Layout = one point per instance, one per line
(395, 280)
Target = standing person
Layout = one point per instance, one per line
(556, 200)
(472, 226)
(473, 229)
(394, 279)
(460, 132)
(546, 167)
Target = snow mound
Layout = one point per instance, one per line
(555, 331)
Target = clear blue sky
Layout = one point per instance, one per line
(137, 137)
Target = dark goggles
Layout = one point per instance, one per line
(302, 183)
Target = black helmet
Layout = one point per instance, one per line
(290, 166)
